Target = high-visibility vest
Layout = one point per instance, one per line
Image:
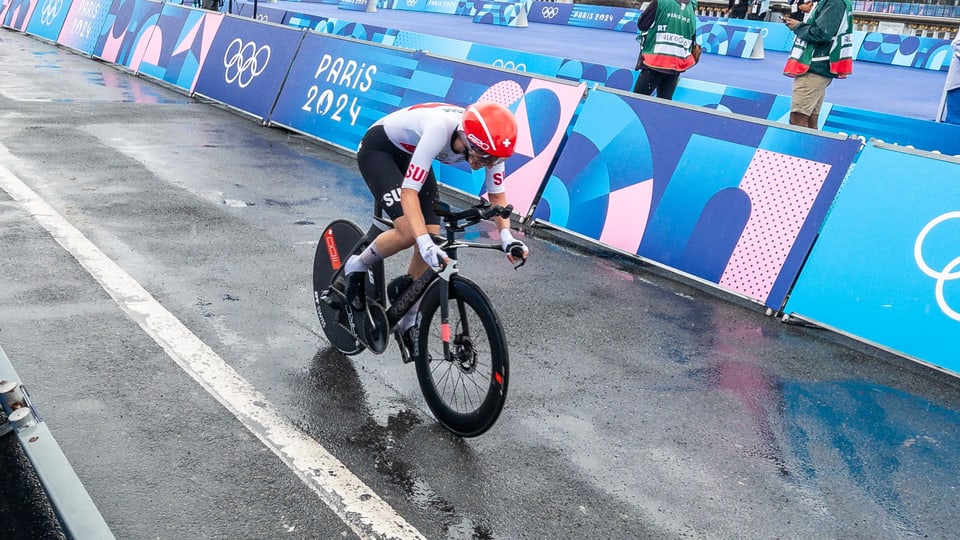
(667, 43)
(841, 49)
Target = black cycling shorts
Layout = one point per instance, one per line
(383, 167)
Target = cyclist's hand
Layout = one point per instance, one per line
(516, 250)
(431, 253)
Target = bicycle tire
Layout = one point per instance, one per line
(466, 395)
(335, 245)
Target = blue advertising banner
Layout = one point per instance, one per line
(357, 5)
(585, 15)
(48, 19)
(512, 59)
(246, 64)
(410, 5)
(776, 36)
(365, 32)
(179, 45)
(501, 13)
(423, 42)
(605, 17)
(732, 201)
(337, 88)
(886, 267)
(725, 98)
(126, 33)
(449, 7)
(899, 50)
(613, 77)
(17, 14)
(4, 6)
(730, 39)
(550, 12)
(264, 13)
(83, 24)
(889, 128)
(303, 20)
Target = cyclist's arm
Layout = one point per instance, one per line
(410, 201)
(499, 199)
(432, 141)
(496, 192)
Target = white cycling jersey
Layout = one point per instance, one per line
(426, 132)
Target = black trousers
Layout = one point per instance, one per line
(650, 80)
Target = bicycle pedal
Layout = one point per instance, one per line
(355, 291)
(332, 299)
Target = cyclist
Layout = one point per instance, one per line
(395, 158)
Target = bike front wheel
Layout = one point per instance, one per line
(467, 389)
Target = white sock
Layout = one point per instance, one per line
(410, 317)
(363, 262)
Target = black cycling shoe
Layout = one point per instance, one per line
(356, 291)
(333, 294)
(407, 340)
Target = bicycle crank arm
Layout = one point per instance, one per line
(371, 326)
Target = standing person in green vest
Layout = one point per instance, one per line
(668, 37)
(822, 52)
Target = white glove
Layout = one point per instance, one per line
(430, 252)
(508, 242)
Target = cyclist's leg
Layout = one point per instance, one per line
(429, 193)
(382, 166)
(417, 266)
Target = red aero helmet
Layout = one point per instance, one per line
(491, 128)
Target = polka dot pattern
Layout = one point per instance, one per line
(505, 93)
(782, 190)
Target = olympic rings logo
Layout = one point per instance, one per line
(549, 12)
(49, 12)
(243, 62)
(509, 64)
(411, 3)
(262, 17)
(949, 272)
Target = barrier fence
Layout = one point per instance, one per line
(75, 512)
(737, 202)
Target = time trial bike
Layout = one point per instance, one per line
(457, 343)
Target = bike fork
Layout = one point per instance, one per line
(445, 275)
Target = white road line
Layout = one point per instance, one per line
(353, 501)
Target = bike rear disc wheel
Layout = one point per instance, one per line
(336, 244)
(466, 393)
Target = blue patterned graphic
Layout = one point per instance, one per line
(83, 24)
(727, 39)
(246, 64)
(898, 50)
(48, 18)
(633, 175)
(337, 88)
(129, 24)
(176, 58)
(886, 266)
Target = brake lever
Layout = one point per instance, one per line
(517, 253)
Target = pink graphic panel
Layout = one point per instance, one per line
(782, 190)
(628, 210)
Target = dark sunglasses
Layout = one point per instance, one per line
(478, 154)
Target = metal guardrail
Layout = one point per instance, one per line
(868, 21)
(76, 512)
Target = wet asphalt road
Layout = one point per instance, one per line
(639, 406)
